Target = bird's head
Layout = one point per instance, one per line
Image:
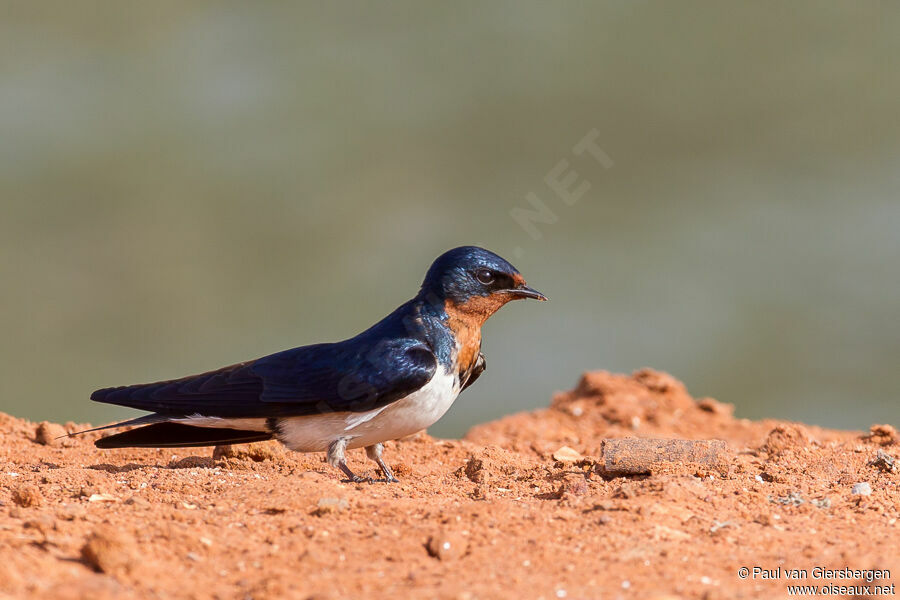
(475, 282)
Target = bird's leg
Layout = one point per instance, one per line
(336, 459)
(374, 452)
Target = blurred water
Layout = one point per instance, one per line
(186, 186)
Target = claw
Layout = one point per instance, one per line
(351, 476)
(386, 471)
(374, 452)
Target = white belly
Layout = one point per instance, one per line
(418, 411)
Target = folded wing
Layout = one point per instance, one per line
(323, 378)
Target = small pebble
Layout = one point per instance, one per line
(861, 489)
(884, 462)
(108, 550)
(48, 433)
(27, 496)
(330, 505)
(102, 498)
(482, 492)
(573, 484)
(884, 435)
(567, 454)
(447, 546)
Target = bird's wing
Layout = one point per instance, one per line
(225, 392)
(310, 380)
(367, 377)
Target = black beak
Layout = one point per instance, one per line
(527, 292)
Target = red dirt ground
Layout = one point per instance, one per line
(490, 516)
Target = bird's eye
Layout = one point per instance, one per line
(484, 276)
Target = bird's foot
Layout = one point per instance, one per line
(351, 476)
(358, 479)
(374, 452)
(386, 471)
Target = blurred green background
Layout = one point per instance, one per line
(187, 185)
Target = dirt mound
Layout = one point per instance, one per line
(520, 508)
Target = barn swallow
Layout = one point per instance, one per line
(396, 378)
